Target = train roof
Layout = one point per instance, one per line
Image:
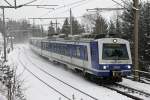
(77, 41)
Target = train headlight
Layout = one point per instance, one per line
(114, 40)
(129, 67)
(104, 67)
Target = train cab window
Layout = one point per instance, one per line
(115, 52)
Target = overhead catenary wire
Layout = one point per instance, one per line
(7, 2)
(71, 4)
(68, 5)
(74, 7)
(28, 3)
(118, 3)
(124, 2)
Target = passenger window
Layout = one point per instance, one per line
(85, 53)
(78, 51)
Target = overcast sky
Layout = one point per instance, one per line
(78, 9)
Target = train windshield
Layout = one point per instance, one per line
(115, 52)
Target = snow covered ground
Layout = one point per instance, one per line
(36, 90)
(136, 85)
(3, 92)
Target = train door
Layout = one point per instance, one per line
(84, 56)
(94, 55)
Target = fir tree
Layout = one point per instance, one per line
(100, 26)
(118, 28)
(112, 28)
(66, 27)
(77, 28)
(51, 29)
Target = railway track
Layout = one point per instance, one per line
(129, 92)
(56, 78)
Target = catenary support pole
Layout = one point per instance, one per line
(136, 55)
(71, 22)
(4, 34)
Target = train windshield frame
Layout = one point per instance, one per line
(115, 52)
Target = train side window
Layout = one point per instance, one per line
(43, 43)
(52, 47)
(56, 46)
(85, 53)
(74, 51)
(66, 50)
(59, 48)
(78, 52)
(49, 46)
(63, 50)
(46, 43)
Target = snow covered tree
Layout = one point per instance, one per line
(118, 28)
(66, 28)
(51, 29)
(127, 23)
(100, 26)
(76, 27)
(145, 30)
(111, 29)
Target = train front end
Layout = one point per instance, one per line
(114, 58)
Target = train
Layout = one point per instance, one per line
(103, 58)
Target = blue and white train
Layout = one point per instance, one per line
(105, 58)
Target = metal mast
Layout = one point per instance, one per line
(136, 19)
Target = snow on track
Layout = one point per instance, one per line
(136, 85)
(37, 91)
